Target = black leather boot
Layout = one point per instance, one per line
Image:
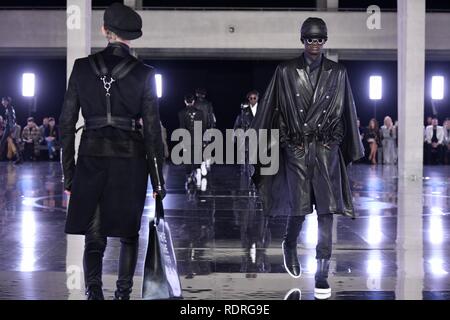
(122, 295)
(291, 263)
(293, 294)
(322, 289)
(94, 293)
(127, 265)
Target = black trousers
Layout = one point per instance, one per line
(95, 245)
(434, 155)
(325, 239)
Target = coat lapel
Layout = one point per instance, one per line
(321, 88)
(302, 77)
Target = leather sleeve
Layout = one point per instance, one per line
(283, 130)
(152, 132)
(211, 116)
(67, 128)
(338, 132)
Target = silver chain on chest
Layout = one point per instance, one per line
(107, 84)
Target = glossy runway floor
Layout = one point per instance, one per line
(398, 247)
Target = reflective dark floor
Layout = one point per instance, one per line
(398, 247)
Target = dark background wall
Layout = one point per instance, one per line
(227, 82)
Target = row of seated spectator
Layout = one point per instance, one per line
(34, 142)
(381, 143)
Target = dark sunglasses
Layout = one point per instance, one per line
(318, 41)
(252, 98)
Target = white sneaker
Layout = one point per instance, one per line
(198, 177)
(204, 170)
(322, 294)
(204, 184)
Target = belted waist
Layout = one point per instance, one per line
(123, 123)
(308, 140)
(306, 137)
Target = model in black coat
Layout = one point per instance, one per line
(108, 182)
(310, 101)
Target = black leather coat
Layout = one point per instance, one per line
(113, 163)
(188, 116)
(208, 111)
(133, 97)
(318, 139)
(244, 119)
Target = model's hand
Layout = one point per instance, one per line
(162, 193)
(67, 192)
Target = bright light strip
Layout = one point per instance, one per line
(374, 267)
(436, 231)
(28, 241)
(437, 267)
(437, 88)
(376, 88)
(159, 88)
(28, 84)
(374, 231)
(311, 229)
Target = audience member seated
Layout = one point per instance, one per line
(51, 138)
(447, 141)
(372, 138)
(434, 143)
(31, 137)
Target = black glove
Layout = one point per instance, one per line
(68, 179)
(160, 191)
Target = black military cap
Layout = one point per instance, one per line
(201, 91)
(314, 28)
(123, 21)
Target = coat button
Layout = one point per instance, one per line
(305, 124)
(324, 111)
(318, 125)
(328, 97)
(301, 110)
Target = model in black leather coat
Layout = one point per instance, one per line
(318, 139)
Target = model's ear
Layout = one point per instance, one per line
(103, 30)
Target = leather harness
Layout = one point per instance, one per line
(120, 71)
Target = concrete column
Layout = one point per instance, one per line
(135, 4)
(409, 242)
(79, 16)
(411, 82)
(327, 5)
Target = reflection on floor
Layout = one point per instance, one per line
(398, 247)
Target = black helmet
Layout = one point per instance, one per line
(314, 28)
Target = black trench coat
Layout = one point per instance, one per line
(318, 139)
(113, 164)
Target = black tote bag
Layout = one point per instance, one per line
(161, 279)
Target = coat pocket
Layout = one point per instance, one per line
(296, 150)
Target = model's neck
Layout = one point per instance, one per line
(120, 42)
(312, 57)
